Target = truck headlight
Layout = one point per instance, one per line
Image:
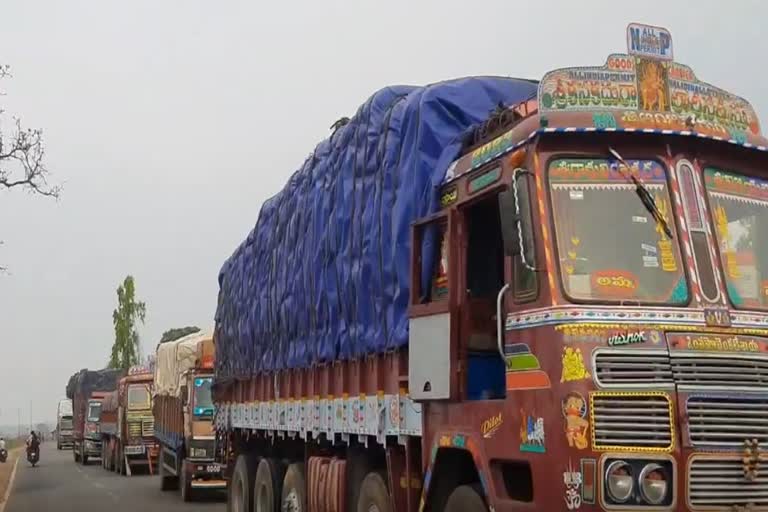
(653, 484)
(618, 481)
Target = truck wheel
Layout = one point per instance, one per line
(85, 460)
(294, 495)
(187, 493)
(74, 455)
(374, 496)
(58, 446)
(267, 485)
(240, 488)
(465, 498)
(167, 482)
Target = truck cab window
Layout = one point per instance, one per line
(439, 287)
(525, 284)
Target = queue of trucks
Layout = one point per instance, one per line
(491, 294)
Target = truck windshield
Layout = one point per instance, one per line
(739, 206)
(66, 423)
(94, 411)
(203, 405)
(610, 247)
(138, 396)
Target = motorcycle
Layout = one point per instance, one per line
(3, 454)
(33, 456)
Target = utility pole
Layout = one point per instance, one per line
(18, 424)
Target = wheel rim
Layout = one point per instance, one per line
(291, 502)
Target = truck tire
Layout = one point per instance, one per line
(374, 495)
(75, 455)
(187, 493)
(167, 482)
(240, 488)
(293, 498)
(465, 498)
(267, 486)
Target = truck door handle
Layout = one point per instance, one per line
(499, 323)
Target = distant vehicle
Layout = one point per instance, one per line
(127, 424)
(183, 416)
(64, 424)
(3, 455)
(87, 389)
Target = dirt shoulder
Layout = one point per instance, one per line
(6, 470)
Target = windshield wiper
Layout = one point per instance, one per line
(642, 192)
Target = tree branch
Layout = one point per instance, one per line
(22, 162)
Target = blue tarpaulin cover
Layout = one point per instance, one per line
(324, 274)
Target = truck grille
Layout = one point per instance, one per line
(727, 421)
(719, 484)
(148, 427)
(717, 371)
(144, 427)
(631, 420)
(614, 368)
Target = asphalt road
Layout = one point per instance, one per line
(57, 484)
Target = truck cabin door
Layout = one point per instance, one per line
(432, 322)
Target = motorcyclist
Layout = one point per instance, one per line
(33, 442)
(2, 443)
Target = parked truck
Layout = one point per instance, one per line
(183, 409)
(87, 389)
(64, 424)
(498, 294)
(129, 443)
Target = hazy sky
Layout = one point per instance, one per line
(169, 122)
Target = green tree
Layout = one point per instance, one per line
(179, 332)
(126, 350)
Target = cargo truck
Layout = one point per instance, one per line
(87, 389)
(183, 410)
(64, 424)
(557, 304)
(131, 443)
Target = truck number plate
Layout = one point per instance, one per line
(133, 450)
(213, 468)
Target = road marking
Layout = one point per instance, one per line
(10, 485)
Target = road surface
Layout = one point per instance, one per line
(59, 485)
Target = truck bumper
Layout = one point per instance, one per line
(205, 474)
(92, 448)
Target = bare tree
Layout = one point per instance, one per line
(22, 155)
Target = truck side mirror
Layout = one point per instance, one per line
(515, 211)
(184, 397)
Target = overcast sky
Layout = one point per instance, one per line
(169, 122)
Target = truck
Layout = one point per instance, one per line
(127, 424)
(87, 389)
(183, 410)
(64, 424)
(509, 295)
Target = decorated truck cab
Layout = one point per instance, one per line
(587, 326)
(623, 218)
